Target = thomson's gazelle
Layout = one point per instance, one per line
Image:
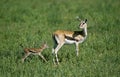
(35, 51)
(62, 37)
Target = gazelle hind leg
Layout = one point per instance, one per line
(56, 51)
(59, 42)
(53, 52)
(56, 42)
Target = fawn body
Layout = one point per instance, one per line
(35, 51)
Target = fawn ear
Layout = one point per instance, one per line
(85, 20)
(45, 42)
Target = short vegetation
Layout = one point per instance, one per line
(32, 22)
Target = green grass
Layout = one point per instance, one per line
(31, 22)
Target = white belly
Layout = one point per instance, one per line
(69, 41)
(73, 41)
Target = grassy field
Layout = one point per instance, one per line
(31, 22)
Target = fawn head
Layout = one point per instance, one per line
(45, 45)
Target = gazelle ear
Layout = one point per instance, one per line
(85, 20)
(78, 18)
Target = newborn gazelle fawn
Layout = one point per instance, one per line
(35, 51)
(62, 37)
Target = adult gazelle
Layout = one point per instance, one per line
(62, 37)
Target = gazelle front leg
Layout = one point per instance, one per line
(56, 51)
(77, 48)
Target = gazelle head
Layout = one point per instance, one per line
(83, 24)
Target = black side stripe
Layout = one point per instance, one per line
(71, 38)
(76, 33)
